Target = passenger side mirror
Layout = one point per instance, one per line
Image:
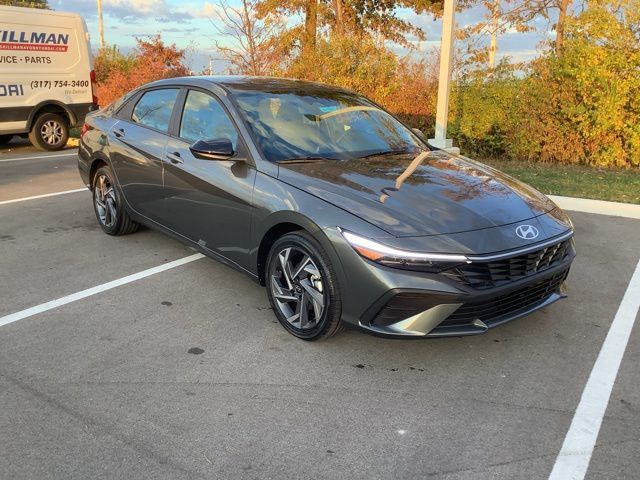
(216, 149)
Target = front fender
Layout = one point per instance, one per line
(280, 203)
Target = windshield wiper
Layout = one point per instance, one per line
(307, 159)
(385, 153)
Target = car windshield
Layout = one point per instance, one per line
(326, 123)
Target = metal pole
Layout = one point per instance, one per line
(100, 26)
(494, 34)
(446, 56)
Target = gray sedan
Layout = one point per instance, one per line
(345, 214)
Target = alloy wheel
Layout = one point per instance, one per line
(51, 132)
(297, 287)
(105, 199)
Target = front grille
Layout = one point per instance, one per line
(508, 304)
(500, 272)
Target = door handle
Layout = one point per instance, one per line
(119, 132)
(174, 157)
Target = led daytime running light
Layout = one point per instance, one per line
(374, 251)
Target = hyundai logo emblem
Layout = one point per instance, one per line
(527, 232)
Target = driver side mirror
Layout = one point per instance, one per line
(216, 149)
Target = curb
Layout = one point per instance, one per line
(600, 207)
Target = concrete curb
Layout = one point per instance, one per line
(600, 207)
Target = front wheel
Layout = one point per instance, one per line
(303, 288)
(109, 204)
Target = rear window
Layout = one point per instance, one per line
(154, 108)
(115, 106)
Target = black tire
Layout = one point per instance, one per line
(323, 281)
(108, 204)
(4, 139)
(49, 132)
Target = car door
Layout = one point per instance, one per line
(209, 201)
(138, 141)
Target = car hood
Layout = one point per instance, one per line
(433, 193)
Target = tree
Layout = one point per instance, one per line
(44, 4)
(109, 60)
(310, 24)
(151, 60)
(379, 18)
(520, 14)
(253, 48)
(582, 106)
(360, 18)
(588, 98)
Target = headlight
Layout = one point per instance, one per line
(393, 257)
(559, 215)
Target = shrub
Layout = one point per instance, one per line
(151, 60)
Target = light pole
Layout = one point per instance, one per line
(100, 26)
(494, 34)
(440, 139)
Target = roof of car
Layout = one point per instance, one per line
(252, 83)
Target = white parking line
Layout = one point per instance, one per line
(14, 159)
(29, 312)
(35, 197)
(574, 457)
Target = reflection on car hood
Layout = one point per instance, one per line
(431, 194)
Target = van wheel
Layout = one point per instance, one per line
(49, 132)
(4, 139)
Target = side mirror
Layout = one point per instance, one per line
(216, 149)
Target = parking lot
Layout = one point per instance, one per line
(185, 373)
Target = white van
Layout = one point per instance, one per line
(46, 75)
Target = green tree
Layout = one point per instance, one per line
(108, 60)
(588, 98)
(26, 3)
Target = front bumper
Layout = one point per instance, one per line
(402, 303)
(432, 314)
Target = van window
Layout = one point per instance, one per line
(154, 108)
(203, 118)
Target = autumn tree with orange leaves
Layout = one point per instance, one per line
(117, 73)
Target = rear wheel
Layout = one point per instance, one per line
(303, 288)
(49, 132)
(109, 204)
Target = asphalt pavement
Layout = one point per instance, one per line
(187, 374)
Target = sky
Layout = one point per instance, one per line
(188, 25)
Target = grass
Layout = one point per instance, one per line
(576, 181)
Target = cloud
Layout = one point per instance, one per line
(180, 30)
(209, 10)
(524, 55)
(145, 9)
(135, 11)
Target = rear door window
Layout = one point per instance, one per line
(154, 108)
